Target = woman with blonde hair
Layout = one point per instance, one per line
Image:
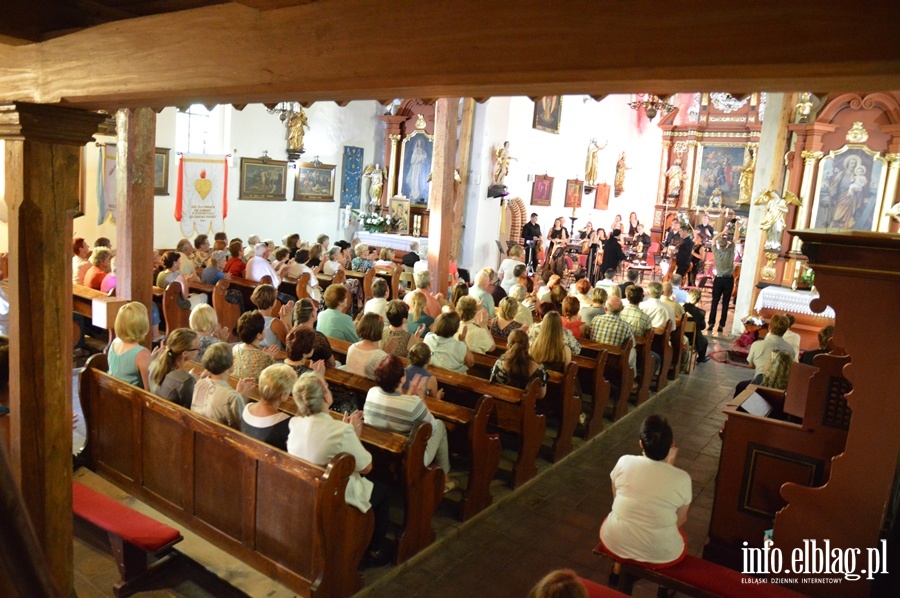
(361, 263)
(129, 360)
(472, 326)
(262, 419)
(417, 314)
(505, 322)
(516, 367)
(460, 289)
(549, 347)
(385, 258)
(205, 323)
(168, 372)
(777, 371)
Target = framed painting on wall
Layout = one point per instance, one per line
(850, 189)
(574, 189)
(315, 182)
(263, 179)
(718, 174)
(601, 197)
(415, 167)
(400, 215)
(547, 113)
(541, 190)
(161, 171)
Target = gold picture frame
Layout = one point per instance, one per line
(400, 215)
(415, 167)
(161, 171)
(547, 114)
(314, 182)
(263, 179)
(846, 200)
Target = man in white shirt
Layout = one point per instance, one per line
(659, 312)
(607, 282)
(758, 356)
(186, 248)
(378, 303)
(791, 337)
(249, 254)
(299, 267)
(679, 294)
(479, 291)
(259, 266)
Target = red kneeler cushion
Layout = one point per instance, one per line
(140, 530)
(595, 590)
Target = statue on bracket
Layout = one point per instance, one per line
(501, 169)
(675, 176)
(621, 167)
(590, 167)
(296, 130)
(377, 176)
(773, 221)
(745, 184)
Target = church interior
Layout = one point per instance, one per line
(454, 138)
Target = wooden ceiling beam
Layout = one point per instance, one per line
(351, 50)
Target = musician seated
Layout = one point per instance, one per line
(640, 243)
(673, 235)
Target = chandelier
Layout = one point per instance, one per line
(652, 104)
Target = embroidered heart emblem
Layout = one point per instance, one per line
(203, 185)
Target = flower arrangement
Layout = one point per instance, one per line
(754, 321)
(373, 222)
(809, 277)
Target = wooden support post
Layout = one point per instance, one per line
(134, 203)
(464, 156)
(42, 158)
(440, 227)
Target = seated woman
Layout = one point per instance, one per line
(825, 335)
(169, 376)
(651, 498)
(316, 437)
(215, 268)
(385, 258)
(333, 321)
(396, 339)
(249, 359)
(507, 267)
(473, 326)
(363, 356)
(571, 318)
(304, 316)
(276, 325)
(262, 420)
(362, 262)
(378, 303)
(417, 315)
(598, 300)
(568, 339)
(235, 264)
(460, 289)
(100, 258)
(201, 251)
(389, 409)
(419, 358)
(548, 346)
(129, 360)
(171, 262)
(516, 367)
(447, 351)
(505, 322)
(777, 372)
(582, 292)
(213, 396)
(205, 323)
(334, 261)
(524, 315)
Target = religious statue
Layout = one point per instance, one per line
(590, 167)
(377, 176)
(894, 212)
(296, 126)
(675, 176)
(745, 184)
(620, 175)
(502, 167)
(773, 221)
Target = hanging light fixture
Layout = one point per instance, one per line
(651, 104)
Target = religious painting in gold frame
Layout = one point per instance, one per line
(315, 182)
(717, 175)
(850, 190)
(574, 189)
(416, 154)
(547, 114)
(400, 215)
(542, 190)
(263, 179)
(161, 171)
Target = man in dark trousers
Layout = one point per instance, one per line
(612, 252)
(531, 236)
(723, 283)
(699, 317)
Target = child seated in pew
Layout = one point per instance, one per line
(213, 396)
(419, 357)
(262, 420)
(389, 409)
(516, 367)
(363, 356)
(169, 376)
(316, 437)
(396, 339)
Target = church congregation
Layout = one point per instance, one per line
(356, 345)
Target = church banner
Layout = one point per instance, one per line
(106, 184)
(201, 203)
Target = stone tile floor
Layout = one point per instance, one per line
(551, 522)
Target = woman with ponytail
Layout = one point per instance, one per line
(169, 377)
(516, 367)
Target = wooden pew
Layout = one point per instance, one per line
(226, 313)
(175, 316)
(299, 286)
(663, 347)
(689, 357)
(644, 347)
(391, 275)
(514, 410)
(620, 374)
(560, 398)
(279, 514)
(677, 338)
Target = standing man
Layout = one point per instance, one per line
(531, 236)
(683, 253)
(705, 229)
(723, 284)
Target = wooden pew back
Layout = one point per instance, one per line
(281, 515)
(226, 313)
(174, 315)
